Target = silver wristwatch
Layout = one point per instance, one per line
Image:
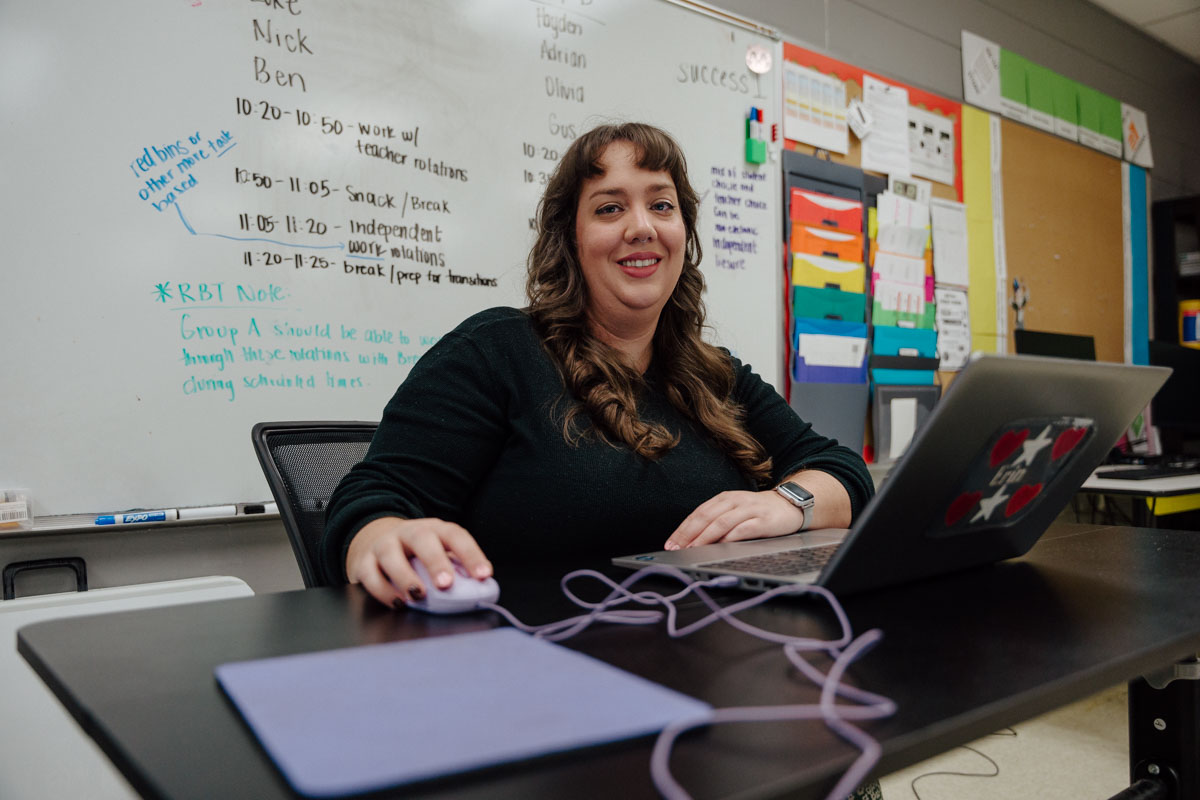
(798, 496)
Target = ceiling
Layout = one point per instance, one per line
(1173, 22)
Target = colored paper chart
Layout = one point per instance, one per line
(1009, 84)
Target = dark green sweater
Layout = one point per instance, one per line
(472, 436)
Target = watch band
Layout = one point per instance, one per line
(800, 497)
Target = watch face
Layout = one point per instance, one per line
(796, 493)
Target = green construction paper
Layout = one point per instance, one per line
(1040, 82)
(1089, 108)
(1110, 117)
(1066, 98)
(1012, 77)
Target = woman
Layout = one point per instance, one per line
(593, 423)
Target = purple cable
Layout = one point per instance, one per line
(844, 650)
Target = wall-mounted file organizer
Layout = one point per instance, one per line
(897, 413)
(827, 279)
(903, 356)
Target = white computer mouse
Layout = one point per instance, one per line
(465, 594)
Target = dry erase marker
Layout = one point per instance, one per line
(207, 512)
(137, 516)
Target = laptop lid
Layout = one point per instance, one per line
(1012, 439)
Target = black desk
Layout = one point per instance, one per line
(963, 655)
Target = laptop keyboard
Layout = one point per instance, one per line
(787, 562)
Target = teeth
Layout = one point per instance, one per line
(640, 262)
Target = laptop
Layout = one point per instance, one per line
(1059, 345)
(1002, 453)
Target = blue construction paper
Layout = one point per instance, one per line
(347, 721)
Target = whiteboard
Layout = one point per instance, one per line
(217, 212)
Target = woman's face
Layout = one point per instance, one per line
(631, 239)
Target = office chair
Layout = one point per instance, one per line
(303, 462)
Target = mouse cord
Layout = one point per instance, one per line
(844, 650)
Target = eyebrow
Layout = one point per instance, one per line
(616, 192)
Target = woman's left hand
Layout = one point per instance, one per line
(734, 516)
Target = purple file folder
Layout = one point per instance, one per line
(348, 721)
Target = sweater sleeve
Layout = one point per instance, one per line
(792, 443)
(439, 434)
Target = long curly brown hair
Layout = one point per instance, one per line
(697, 378)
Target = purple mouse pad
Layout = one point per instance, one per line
(347, 721)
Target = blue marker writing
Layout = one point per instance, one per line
(137, 516)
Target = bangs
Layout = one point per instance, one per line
(656, 151)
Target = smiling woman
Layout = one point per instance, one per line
(593, 422)
(630, 236)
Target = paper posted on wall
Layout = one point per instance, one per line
(931, 145)
(814, 108)
(886, 149)
(953, 328)
(1135, 131)
(949, 221)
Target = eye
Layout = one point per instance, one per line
(665, 206)
(608, 208)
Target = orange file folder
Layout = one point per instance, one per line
(827, 242)
(826, 210)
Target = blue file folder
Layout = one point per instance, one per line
(915, 343)
(807, 370)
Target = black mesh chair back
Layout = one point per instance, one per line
(303, 462)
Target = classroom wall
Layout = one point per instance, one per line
(915, 41)
(919, 42)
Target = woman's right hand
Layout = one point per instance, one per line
(378, 556)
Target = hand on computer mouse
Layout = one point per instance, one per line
(465, 594)
(379, 557)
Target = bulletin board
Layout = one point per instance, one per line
(1064, 236)
(852, 78)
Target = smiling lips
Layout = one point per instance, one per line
(640, 265)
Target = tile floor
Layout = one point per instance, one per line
(1078, 752)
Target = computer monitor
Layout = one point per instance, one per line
(1059, 345)
(1175, 410)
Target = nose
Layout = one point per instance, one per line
(640, 226)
